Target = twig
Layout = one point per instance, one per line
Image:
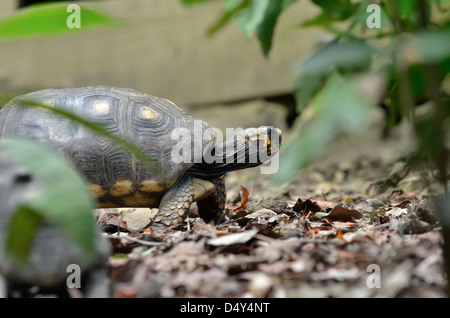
(143, 242)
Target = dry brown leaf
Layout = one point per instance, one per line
(244, 200)
(126, 292)
(306, 206)
(341, 213)
(148, 231)
(339, 235)
(311, 230)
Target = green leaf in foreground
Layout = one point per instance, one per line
(64, 200)
(49, 19)
(427, 47)
(23, 226)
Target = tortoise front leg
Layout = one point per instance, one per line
(211, 207)
(175, 204)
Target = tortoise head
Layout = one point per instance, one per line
(257, 145)
(247, 148)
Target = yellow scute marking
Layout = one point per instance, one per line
(101, 107)
(147, 113)
(139, 199)
(121, 188)
(151, 186)
(96, 190)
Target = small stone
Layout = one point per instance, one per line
(139, 219)
(260, 285)
(262, 213)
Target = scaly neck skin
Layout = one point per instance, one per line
(244, 150)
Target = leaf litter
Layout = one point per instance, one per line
(292, 243)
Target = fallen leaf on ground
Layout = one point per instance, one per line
(148, 231)
(244, 200)
(344, 214)
(235, 238)
(339, 235)
(306, 206)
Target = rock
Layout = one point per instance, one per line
(138, 219)
(260, 285)
(262, 213)
(133, 220)
(54, 258)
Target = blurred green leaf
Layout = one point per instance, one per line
(361, 15)
(23, 226)
(337, 9)
(267, 26)
(406, 8)
(339, 106)
(261, 15)
(64, 200)
(231, 8)
(48, 19)
(343, 103)
(341, 53)
(428, 47)
(305, 88)
(332, 10)
(407, 14)
(251, 16)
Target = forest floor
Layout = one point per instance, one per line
(332, 231)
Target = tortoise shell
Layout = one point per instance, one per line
(116, 178)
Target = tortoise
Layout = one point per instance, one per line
(115, 177)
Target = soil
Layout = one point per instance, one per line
(336, 229)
